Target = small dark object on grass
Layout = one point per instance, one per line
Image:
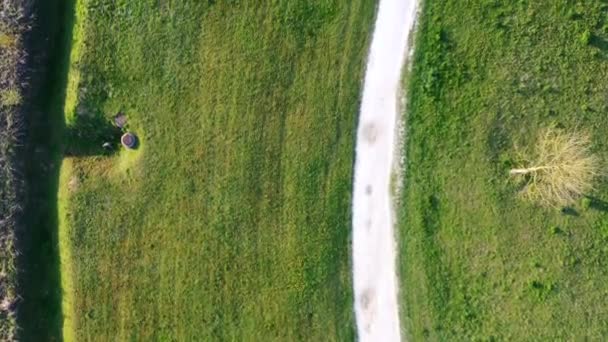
(129, 140)
(569, 211)
(120, 120)
(555, 230)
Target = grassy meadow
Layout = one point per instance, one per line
(231, 221)
(477, 262)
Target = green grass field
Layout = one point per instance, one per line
(478, 263)
(232, 219)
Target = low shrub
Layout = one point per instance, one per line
(7, 40)
(10, 97)
(586, 203)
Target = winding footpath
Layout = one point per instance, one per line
(374, 247)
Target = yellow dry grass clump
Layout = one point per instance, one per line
(7, 40)
(562, 169)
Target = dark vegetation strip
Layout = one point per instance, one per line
(13, 24)
(479, 264)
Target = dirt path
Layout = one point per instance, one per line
(374, 255)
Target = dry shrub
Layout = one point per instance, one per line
(7, 40)
(561, 170)
(10, 97)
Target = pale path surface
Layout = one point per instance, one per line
(374, 255)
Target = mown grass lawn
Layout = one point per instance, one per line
(477, 262)
(232, 219)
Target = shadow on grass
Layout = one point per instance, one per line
(569, 211)
(88, 134)
(599, 42)
(598, 204)
(40, 317)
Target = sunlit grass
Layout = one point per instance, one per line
(477, 262)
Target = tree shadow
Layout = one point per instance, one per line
(91, 135)
(569, 211)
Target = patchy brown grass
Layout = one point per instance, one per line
(12, 64)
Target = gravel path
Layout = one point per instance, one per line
(374, 247)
